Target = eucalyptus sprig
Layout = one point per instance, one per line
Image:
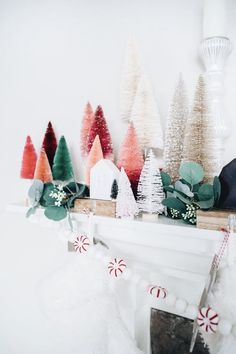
(189, 193)
(57, 199)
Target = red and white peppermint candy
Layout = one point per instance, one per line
(208, 319)
(157, 291)
(116, 267)
(81, 243)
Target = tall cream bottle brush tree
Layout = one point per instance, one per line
(200, 143)
(175, 129)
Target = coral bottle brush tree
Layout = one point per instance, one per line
(100, 128)
(29, 159)
(43, 169)
(131, 157)
(94, 156)
(50, 143)
(62, 166)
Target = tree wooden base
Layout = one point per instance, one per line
(149, 217)
(97, 206)
(214, 219)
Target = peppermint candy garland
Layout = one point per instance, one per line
(157, 291)
(81, 243)
(116, 267)
(208, 319)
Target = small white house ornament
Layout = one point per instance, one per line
(102, 176)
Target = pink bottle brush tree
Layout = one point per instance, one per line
(87, 122)
(100, 128)
(131, 157)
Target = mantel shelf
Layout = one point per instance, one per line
(161, 225)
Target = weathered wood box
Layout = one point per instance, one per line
(214, 219)
(97, 206)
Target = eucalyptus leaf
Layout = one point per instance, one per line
(196, 187)
(184, 188)
(35, 192)
(205, 204)
(169, 189)
(166, 179)
(55, 213)
(182, 197)
(174, 203)
(46, 200)
(205, 192)
(191, 172)
(30, 212)
(77, 188)
(216, 189)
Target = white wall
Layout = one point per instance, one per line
(54, 56)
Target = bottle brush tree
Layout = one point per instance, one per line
(146, 117)
(29, 159)
(43, 169)
(130, 79)
(114, 189)
(126, 206)
(131, 157)
(95, 155)
(87, 122)
(100, 128)
(50, 143)
(175, 130)
(150, 188)
(62, 169)
(200, 142)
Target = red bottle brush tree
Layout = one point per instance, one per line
(87, 122)
(50, 143)
(131, 157)
(100, 128)
(43, 169)
(29, 159)
(94, 156)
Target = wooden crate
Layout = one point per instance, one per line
(213, 219)
(97, 206)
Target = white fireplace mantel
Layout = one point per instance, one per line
(167, 252)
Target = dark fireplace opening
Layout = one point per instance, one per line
(171, 334)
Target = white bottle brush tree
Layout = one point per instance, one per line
(126, 206)
(130, 80)
(150, 189)
(146, 118)
(175, 129)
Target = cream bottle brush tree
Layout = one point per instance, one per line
(200, 143)
(146, 118)
(175, 129)
(130, 80)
